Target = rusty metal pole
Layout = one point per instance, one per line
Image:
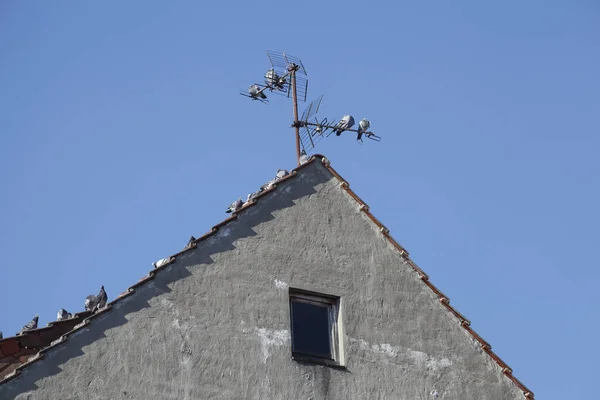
(296, 124)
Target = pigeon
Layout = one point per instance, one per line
(251, 197)
(346, 122)
(102, 298)
(1, 335)
(363, 126)
(274, 80)
(303, 157)
(30, 325)
(281, 173)
(161, 262)
(93, 303)
(63, 314)
(190, 242)
(255, 92)
(269, 184)
(236, 205)
(90, 302)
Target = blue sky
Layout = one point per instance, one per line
(122, 133)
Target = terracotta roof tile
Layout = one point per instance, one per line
(15, 354)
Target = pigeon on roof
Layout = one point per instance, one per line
(252, 196)
(1, 336)
(346, 122)
(30, 325)
(281, 173)
(90, 302)
(255, 92)
(63, 314)
(236, 205)
(102, 298)
(303, 157)
(190, 242)
(363, 126)
(93, 303)
(161, 262)
(269, 184)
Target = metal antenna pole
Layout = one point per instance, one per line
(295, 101)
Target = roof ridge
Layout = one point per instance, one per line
(363, 207)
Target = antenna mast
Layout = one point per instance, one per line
(287, 77)
(295, 103)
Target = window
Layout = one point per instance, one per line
(316, 327)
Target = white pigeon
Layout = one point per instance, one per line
(236, 205)
(303, 158)
(281, 173)
(363, 126)
(274, 80)
(63, 314)
(161, 262)
(346, 122)
(255, 92)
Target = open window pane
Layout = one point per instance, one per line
(311, 330)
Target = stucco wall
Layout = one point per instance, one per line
(216, 323)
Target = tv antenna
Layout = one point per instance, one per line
(287, 77)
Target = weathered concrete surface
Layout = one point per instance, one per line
(216, 323)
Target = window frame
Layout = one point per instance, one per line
(335, 327)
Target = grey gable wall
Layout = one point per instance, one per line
(215, 324)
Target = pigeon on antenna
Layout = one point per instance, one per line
(287, 77)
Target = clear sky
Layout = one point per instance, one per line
(122, 133)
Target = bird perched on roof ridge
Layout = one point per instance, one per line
(269, 184)
(281, 173)
(236, 205)
(102, 298)
(30, 325)
(1, 335)
(94, 303)
(303, 157)
(363, 126)
(63, 314)
(255, 92)
(161, 262)
(190, 242)
(346, 122)
(252, 196)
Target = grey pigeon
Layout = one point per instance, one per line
(252, 196)
(281, 173)
(363, 126)
(63, 314)
(190, 242)
(269, 184)
(236, 205)
(274, 80)
(30, 325)
(90, 302)
(255, 92)
(93, 303)
(346, 122)
(102, 298)
(303, 157)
